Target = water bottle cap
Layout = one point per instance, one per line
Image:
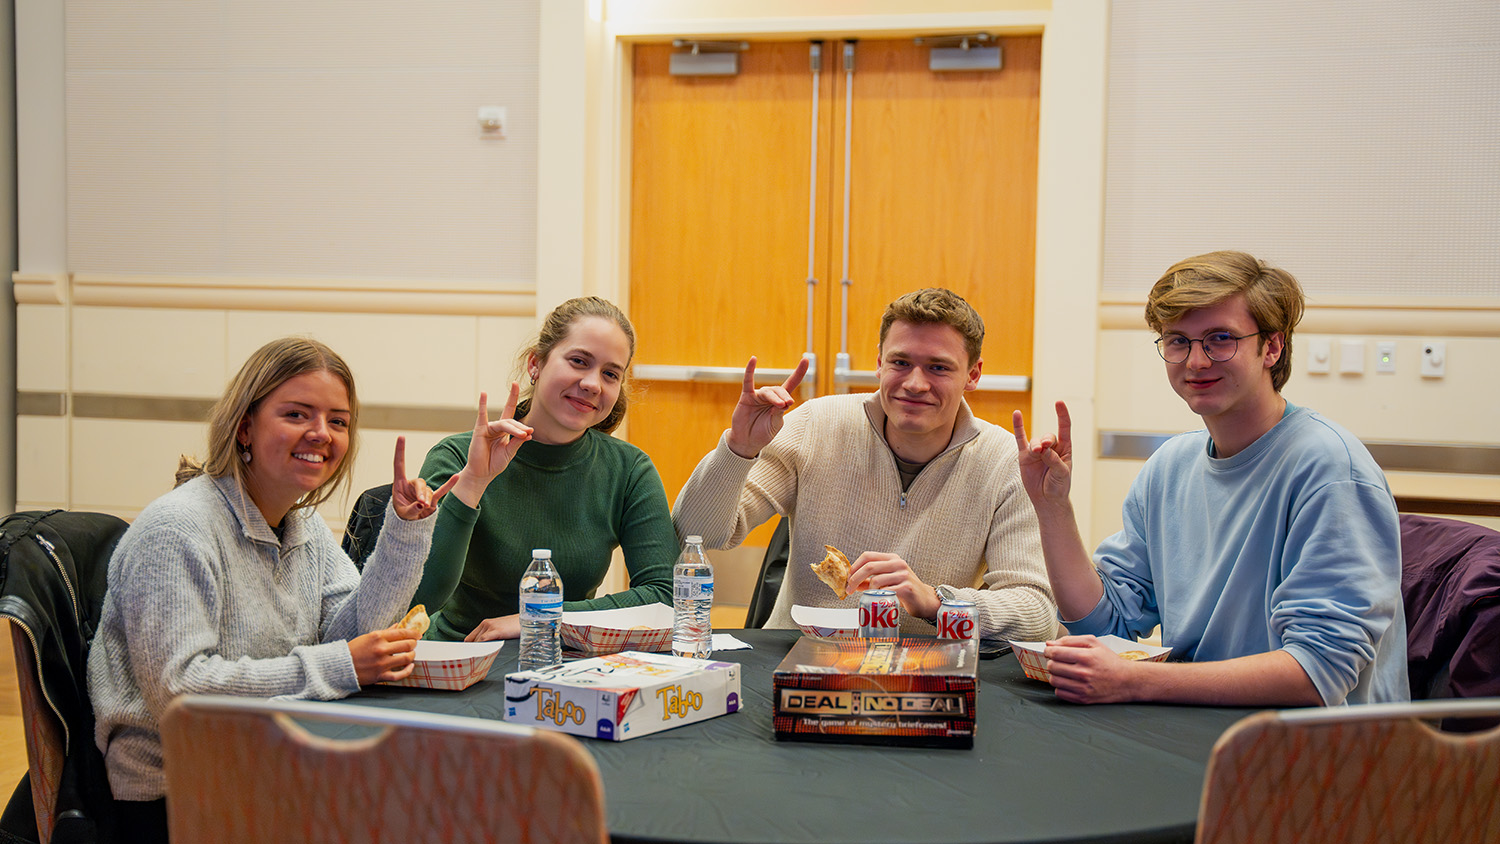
(541, 554)
(695, 539)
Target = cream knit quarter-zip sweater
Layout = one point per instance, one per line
(965, 521)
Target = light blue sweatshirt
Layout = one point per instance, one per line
(1292, 544)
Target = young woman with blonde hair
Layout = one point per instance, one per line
(571, 488)
(232, 584)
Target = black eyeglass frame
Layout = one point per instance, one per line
(1161, 350)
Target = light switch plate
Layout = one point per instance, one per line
(1352, 357)
(1385, 356)
(1319, 355)
(492, 122)
(1434, 359)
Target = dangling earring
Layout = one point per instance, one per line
(245, 455)
(533, 378)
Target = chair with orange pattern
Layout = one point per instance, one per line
(243, 770)
(1355, 774)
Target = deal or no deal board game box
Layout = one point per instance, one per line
(623, 695)
(877, 691)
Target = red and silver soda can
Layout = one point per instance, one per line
(879, 614)
(957, 619)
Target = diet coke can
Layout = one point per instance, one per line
(879, 614)
(958, 619)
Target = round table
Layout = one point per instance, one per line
(1040, 769)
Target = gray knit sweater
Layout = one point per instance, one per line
(965, 521)
(203, 598)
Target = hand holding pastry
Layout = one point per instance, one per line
(384, 655)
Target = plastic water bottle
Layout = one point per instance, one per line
(692, 598)
(541, 613)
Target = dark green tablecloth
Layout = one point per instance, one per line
(1040, 769)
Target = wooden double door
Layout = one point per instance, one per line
(738, 196)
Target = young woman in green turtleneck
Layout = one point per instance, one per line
(571, 487)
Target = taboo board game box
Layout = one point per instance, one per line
(623, 695)
(877, 691)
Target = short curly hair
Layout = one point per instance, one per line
(937, 305)
(1274, 297)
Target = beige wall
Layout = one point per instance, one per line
(216, 198)
(167, 337)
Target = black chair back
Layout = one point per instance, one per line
(772, 571)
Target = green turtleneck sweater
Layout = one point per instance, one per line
(581, 500)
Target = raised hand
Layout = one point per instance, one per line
(410, 497)
(758, 416)
(491, 448)
(1046, 463)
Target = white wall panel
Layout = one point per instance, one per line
(1356, 144)
(149, 352)
(41, 347)
(500, 339)
(41, 462)
(397, 358)
(280, 139)
(1463, 406)
(119, 466)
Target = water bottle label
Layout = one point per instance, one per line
(541, 607)
(692, 588)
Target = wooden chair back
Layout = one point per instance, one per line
(1355, 775)
(241, 770)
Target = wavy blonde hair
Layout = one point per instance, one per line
(1274, 298)
(272, 365)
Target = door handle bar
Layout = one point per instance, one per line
(716, 374)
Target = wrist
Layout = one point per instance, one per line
(741, 449)
(468, 488)
(1054, 510)
(932, 604)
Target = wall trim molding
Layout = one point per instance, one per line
(378, 417)
(1448, 317)
(40, 288)
(1019, 21)
(1442, 458)
(402, 296)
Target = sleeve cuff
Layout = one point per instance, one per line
(1316, 671)
(1097, 622)
(454, 507)
(727, 453)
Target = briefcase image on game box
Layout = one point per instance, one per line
(877, 691)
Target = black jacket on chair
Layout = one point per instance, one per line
(365, 521)
(54, 567)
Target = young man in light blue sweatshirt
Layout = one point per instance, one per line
(1266, 546)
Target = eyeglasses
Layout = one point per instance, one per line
(1220, 346)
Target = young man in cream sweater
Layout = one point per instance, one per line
(914, 489)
